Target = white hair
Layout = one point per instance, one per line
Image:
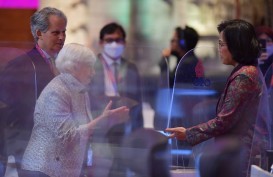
(72, 56)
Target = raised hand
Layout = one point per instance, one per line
(166, 52)
(117, 115)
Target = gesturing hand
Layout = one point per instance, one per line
(117, 115)
(177, 132)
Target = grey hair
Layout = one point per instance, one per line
(72, 56)
(40, 20)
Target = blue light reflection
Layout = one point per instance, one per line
(196, 92)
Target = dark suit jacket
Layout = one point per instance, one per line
(105, 143)
(22, 81)
(187, 69)
(128, 87)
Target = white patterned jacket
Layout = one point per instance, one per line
(59, 137)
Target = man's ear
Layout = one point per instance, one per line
(39, 34)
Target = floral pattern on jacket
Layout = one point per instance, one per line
(236, 110)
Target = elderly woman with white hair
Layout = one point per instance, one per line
(62, 118)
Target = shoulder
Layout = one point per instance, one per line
(129, 63)
(21, 66)
(249, 75)
(248, 71)
(57, 84)
(64, 83)
(54, 91)
(23, 60)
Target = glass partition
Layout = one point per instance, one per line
(197, 85)
(264, 126)
(145, 90)
(194, 99)
(156, 101)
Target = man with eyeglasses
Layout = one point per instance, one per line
(116, 79)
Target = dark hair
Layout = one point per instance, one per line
(264, 30)
(188, 37)
(241, 41)
(112, 28)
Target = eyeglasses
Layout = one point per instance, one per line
(117, 40)
(221, 43)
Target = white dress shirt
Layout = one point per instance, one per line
(110, 86)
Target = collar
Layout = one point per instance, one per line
(248, 70)
(44, 53)
(110, 61)
(73, 83)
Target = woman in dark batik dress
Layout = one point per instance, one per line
(238, 105)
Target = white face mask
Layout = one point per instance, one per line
(269, 50)
(113, 50)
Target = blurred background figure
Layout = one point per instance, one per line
(187, 69)
(265, 37)
(60, 136)
(220, 159)
(24, 78)
(183, 40)
(116, 79)
(145, 153)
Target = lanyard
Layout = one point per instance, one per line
(110, 75)
(50, 63)
(43, 54)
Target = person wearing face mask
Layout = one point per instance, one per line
(113, 50)
(116, 79)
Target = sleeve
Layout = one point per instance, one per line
(238, 93)
(54, 111)
(163, 65)
(135, 94)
